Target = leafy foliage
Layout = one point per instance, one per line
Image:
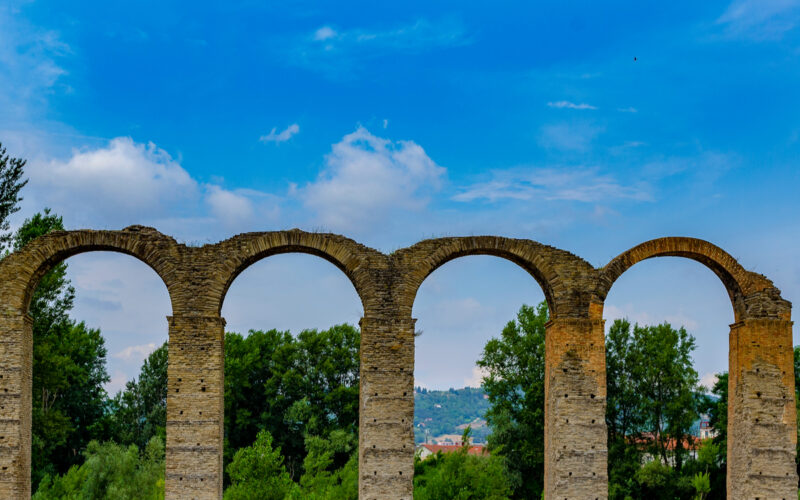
(653, 399)
(110, 472)
(11, 170)
(291, 387)
(515, 385)
(257, 471)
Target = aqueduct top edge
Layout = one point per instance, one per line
(570, 284)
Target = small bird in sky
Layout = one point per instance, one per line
(634, 59)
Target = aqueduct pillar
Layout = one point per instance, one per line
(762, 432)
(195, 405)
(16, 356)
(386, 408)
(575, 449)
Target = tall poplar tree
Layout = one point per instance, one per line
(11, 182)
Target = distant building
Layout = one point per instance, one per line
(691, 444)
(706, 431)
(426, 450)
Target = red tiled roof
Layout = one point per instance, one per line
(690, 443)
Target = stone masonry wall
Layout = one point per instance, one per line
(762, 421)
(575, 410)
(195, 391)
(762, 433)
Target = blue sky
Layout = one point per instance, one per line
(592, 127)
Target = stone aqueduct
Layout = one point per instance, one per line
(762, 420)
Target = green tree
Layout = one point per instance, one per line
(797, 403)
(68, 366)
(713, 456)
(652, 385)
(293, 388)
(110, 472)
(624, 409)
(11, 183)
(140, 411)
(515, 386)
(656, 481)
(652, 398)
(321, 479)
(257, 472)
(667, 383)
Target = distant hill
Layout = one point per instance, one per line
(445, 414)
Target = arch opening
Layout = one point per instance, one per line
(732, 275)
(88, 380)
(247, 249)
(463, 305)
(538, 274)
(663, 394)
(292, 365)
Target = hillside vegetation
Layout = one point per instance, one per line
(445, 414)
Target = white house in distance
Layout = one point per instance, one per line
(426, 450)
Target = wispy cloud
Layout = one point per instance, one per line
(282, 136)
(760, 19)
(584, 185)
(570, 105)
(337, 52)
(30, 65)
(366, 177)
(629, 109)
(569, 136)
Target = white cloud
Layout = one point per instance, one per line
(367, 177)
(570, 105)
(708, 380)
(123, 182)
(760, 19)
(585, 185)
(136, 352)
(324, 33)
(476, 378)
(283, 136)
(629, 109)
(229, 206)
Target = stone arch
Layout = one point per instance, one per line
(549, 266)
(738, 282)
(240, 252)
(22, 270)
